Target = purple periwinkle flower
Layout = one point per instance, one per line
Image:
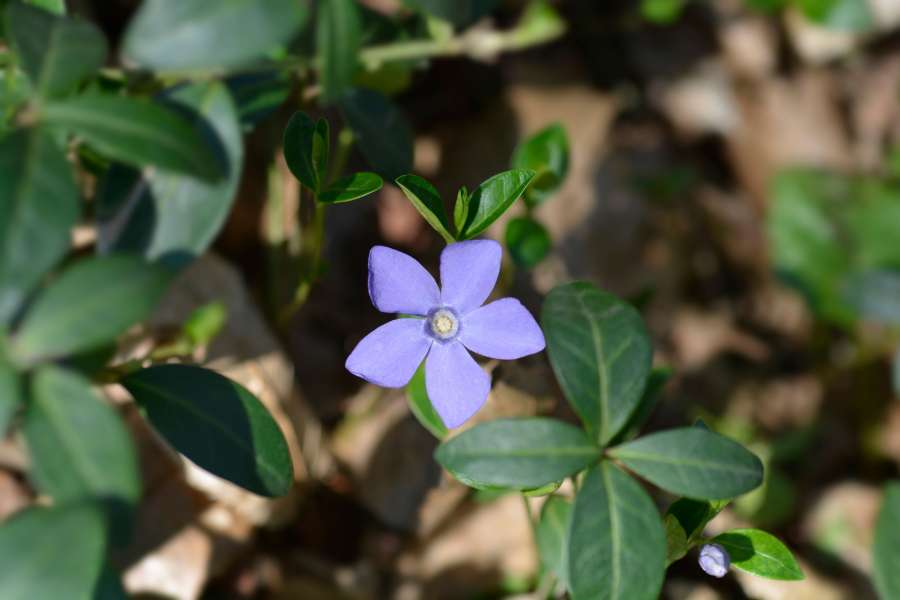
(714, 560)
(447, 324)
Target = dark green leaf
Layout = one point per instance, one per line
(760, 553)
(601, 353)
(10, 395)
(617, 546)
(136, 132)
(56, 52)
(517, 453)
(458, 12)
(38, 207)
(306, 148)
(92, 302)
(421, 406)
(258, 95)
(552, 535)
(547, 154)
(382, 132)
(352, 187)
(527, 240)
(192, 35)
(79, 446)
(338, 39)
(428, 202)
(676, 540)
(109, 586)
(693, 462)
(52, 553)
(693, 515)
(492, 198)
(216, 423)
(875, 295)
(171, 216)
(655, 383)
(886, 549)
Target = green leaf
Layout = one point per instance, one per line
(693, 462)
(79, 446)
(217, 424)
(382, 133)
(52, 553)
(458, 12)
(461, 208)
(56, 52)
(760, 553)
(10, 395)
(352, 187)
(895, 372)
(205, 323)
(136, 132)
(258, 95)
(306, 147)
(842, 15)
(662, 12)
(492, 198)
(428, 202)
(57, 7)
(109, 586)
(684, 523)
(92, 302)
(655, 383)
(875, 295)
(601, 353)
(547, 154)
(193, 35)
(886, 548)
(527, 240)
(338, 39)
(517, 453)
(421, 406)
(552, 535)
(170, 216)
(617, 546)
(38, 208)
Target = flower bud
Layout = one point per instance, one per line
(714, 560)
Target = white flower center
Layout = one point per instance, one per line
(443, 323)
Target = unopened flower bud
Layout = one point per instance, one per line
(714, 560)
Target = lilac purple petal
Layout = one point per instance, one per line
(469, 271)
(502, 329)
(456, 385)
(390, 355)
(399, 284)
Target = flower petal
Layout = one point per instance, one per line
(456, 385)
(399, 284)
(469, 272)
(502, 329)
(391, 354)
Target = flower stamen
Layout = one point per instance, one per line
(443, 324)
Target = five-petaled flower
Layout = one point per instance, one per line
(445, 323)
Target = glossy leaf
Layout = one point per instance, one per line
(91, 303)
(601, 353)
(171, 216)
(382, 132)
(38, 208)
(655, 383)
(461, 208)
(352, 187)
(617, 546)
(875, 295)
(56, 52)
(527, 240)
(192, 35)
(338, 38)
(552, 535)
(421, 407)
(306, 147)
(52, 553)
(492, 198)
(886, 548)
(79, 447)
(10, 395)
(547, 154)
(693, 462)
(428, 202)
(517, 453)
(684, 523)
(760, 553)
(136, 132)
(217, 424)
